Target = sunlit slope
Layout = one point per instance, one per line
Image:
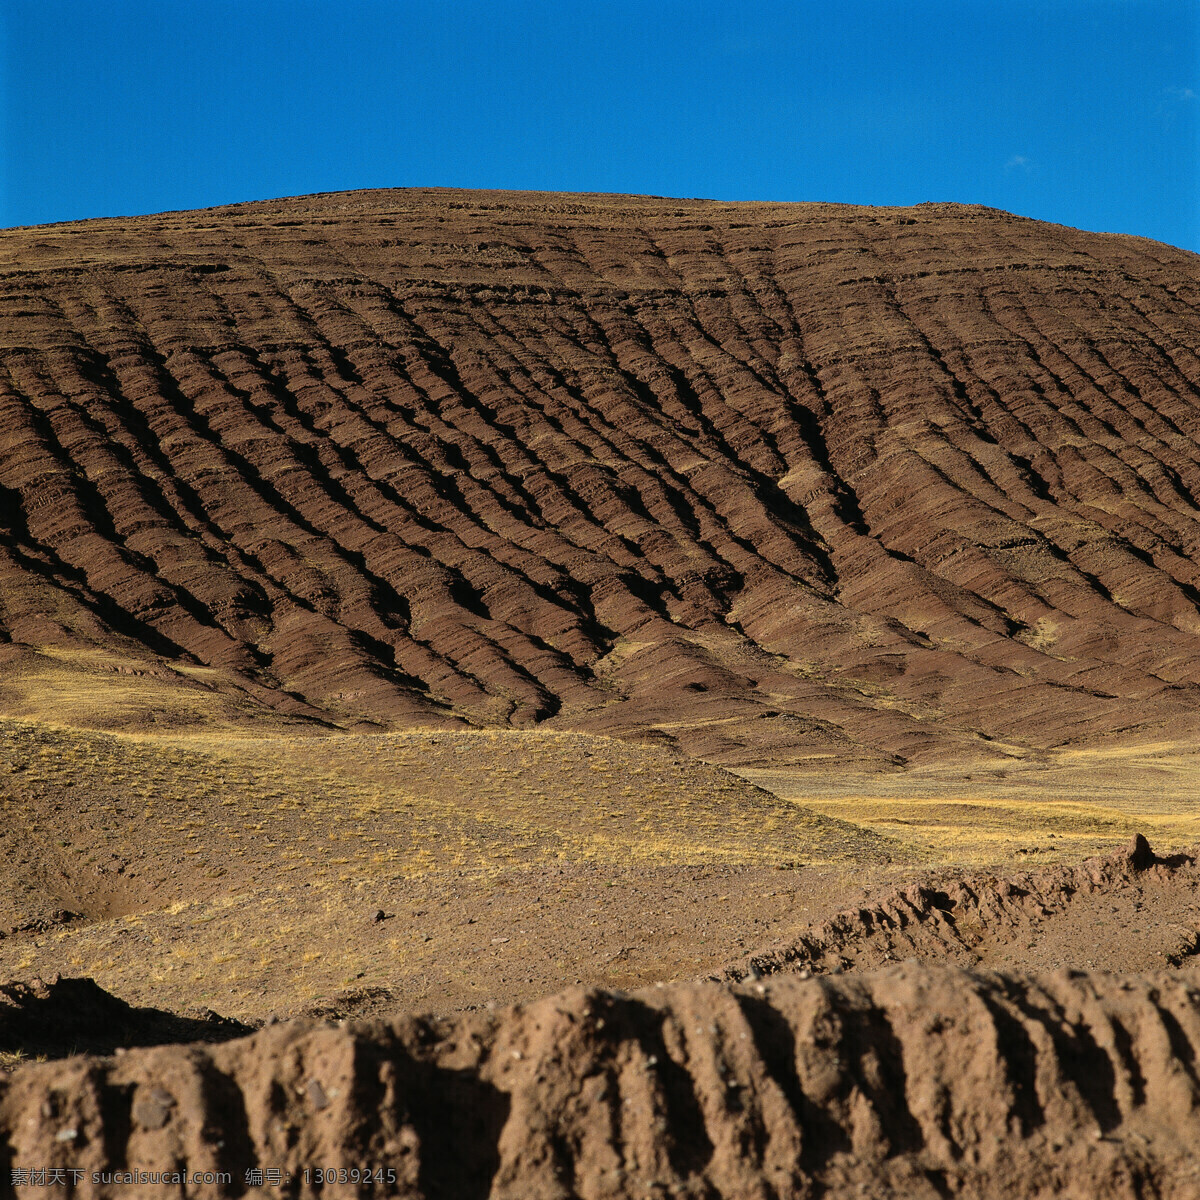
(773, 484)
(246, 871)
(205, 864)
(187, 816)
(116, 687)
(1053, 809)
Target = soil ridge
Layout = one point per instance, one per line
(916, 1081)
(949, 916)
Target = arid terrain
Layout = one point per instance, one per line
(597, 696)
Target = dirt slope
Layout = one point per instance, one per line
(247, 874)
(773, 482)
(916, 1082)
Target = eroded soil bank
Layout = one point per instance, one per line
(806, 1071)
(915, 1081)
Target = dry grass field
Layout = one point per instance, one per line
(1054, 808)
(257, 871)
(245, 873)
(99, 687)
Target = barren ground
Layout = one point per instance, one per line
(600, 696)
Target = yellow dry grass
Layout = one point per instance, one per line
(98, 688)
(410, 802)
(252, 852)
(1059, 808)
(265, 854)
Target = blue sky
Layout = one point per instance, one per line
(1085, 112)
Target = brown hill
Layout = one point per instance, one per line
(772, 482)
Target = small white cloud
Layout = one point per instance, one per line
(1181, 93)
(1018, 162)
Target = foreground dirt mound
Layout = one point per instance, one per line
(1126, 911)
(914, 1082)
(74, 1016)
(771, 482)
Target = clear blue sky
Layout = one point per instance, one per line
(1085, 112)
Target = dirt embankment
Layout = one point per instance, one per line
(1125, 911)
(769, 483)
(918, 1082)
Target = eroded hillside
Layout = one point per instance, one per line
(775, 483)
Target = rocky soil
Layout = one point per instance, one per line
(773, 483)
(1128, 911)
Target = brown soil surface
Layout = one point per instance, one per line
(1130, 911)
(771, 483)
(247, 874)
(809, 1071)
(444, 943)
(915, 1082)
